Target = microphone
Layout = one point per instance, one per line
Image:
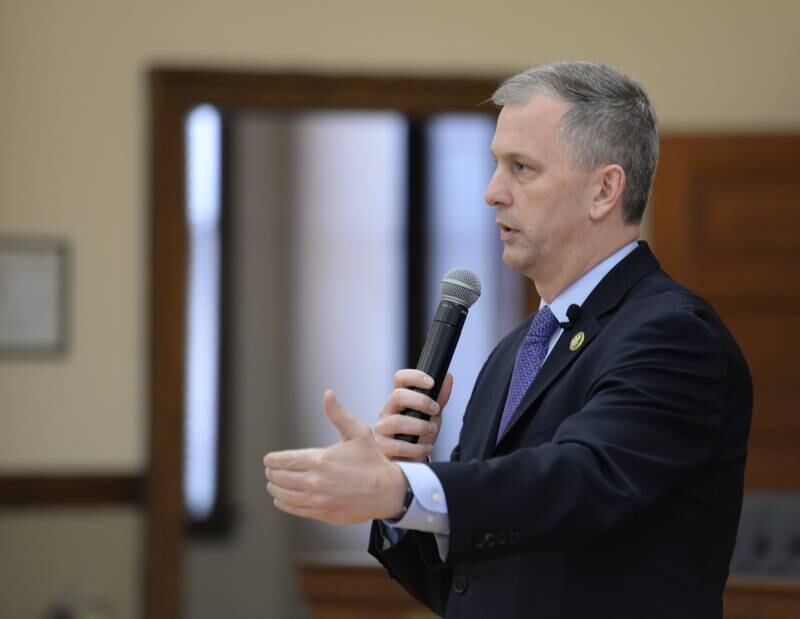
(573, 313)
(460, 289)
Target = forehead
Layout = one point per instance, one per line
(530, 126)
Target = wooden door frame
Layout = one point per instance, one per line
(173, 92)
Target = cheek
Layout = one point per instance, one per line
(539, 209)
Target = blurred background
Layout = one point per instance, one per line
(298, 250)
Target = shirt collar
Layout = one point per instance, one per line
(577, 292)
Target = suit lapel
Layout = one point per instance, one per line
(605, 297)
(559, 359)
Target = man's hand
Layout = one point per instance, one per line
(392, 422)
(350, 482)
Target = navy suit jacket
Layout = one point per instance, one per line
(615, 492)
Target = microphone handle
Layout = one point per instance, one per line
(436, 354)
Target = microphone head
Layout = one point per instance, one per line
(461, 286)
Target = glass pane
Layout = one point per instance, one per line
(203, 156)
(349, 207)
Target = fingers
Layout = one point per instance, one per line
(404, 396)
(412, 378)
(293, 459)
(294, 498)
(395, 449)
(402, 424)
(401, 399)
(392, 448)
(349, 427)
(292, 480)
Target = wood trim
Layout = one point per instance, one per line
(349, 592)
(173, 92)
(168, 255)
(346, 583)
(409, 95)
(762, 598)
(70, 490)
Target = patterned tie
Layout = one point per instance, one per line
(530, 358)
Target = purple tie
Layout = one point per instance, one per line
(530, 358)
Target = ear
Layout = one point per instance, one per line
(609, 186)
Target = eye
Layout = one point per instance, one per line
(520, 167)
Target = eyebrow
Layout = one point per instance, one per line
(512, 153)
(519, 155)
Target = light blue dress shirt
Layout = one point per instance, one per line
(428, 508)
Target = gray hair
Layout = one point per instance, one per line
(610, 120)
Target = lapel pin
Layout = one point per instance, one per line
(577, 341)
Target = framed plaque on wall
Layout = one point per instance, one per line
(33, 296)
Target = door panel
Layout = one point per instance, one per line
(723, 225)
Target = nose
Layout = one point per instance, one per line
(496, 193)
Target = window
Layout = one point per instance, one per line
(381, 206)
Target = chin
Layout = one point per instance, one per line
(519, 261)
(513, 261)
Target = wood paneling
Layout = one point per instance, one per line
(723, 225)
(746, 218)
(349, 592)
(770, 338)
(757, 598)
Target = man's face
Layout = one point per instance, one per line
(542, 202)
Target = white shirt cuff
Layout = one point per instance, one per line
(428, 509)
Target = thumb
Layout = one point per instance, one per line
(447, 389)
(349, 427)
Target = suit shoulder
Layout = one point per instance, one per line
(658, 294)
(665, 308)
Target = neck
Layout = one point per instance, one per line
(574, 265)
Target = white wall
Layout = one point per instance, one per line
(49, 555)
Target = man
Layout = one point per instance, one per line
(600, 466)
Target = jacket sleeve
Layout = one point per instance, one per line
(414, 562)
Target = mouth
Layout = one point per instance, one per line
(506, 232)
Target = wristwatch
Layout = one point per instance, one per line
(408, 499)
